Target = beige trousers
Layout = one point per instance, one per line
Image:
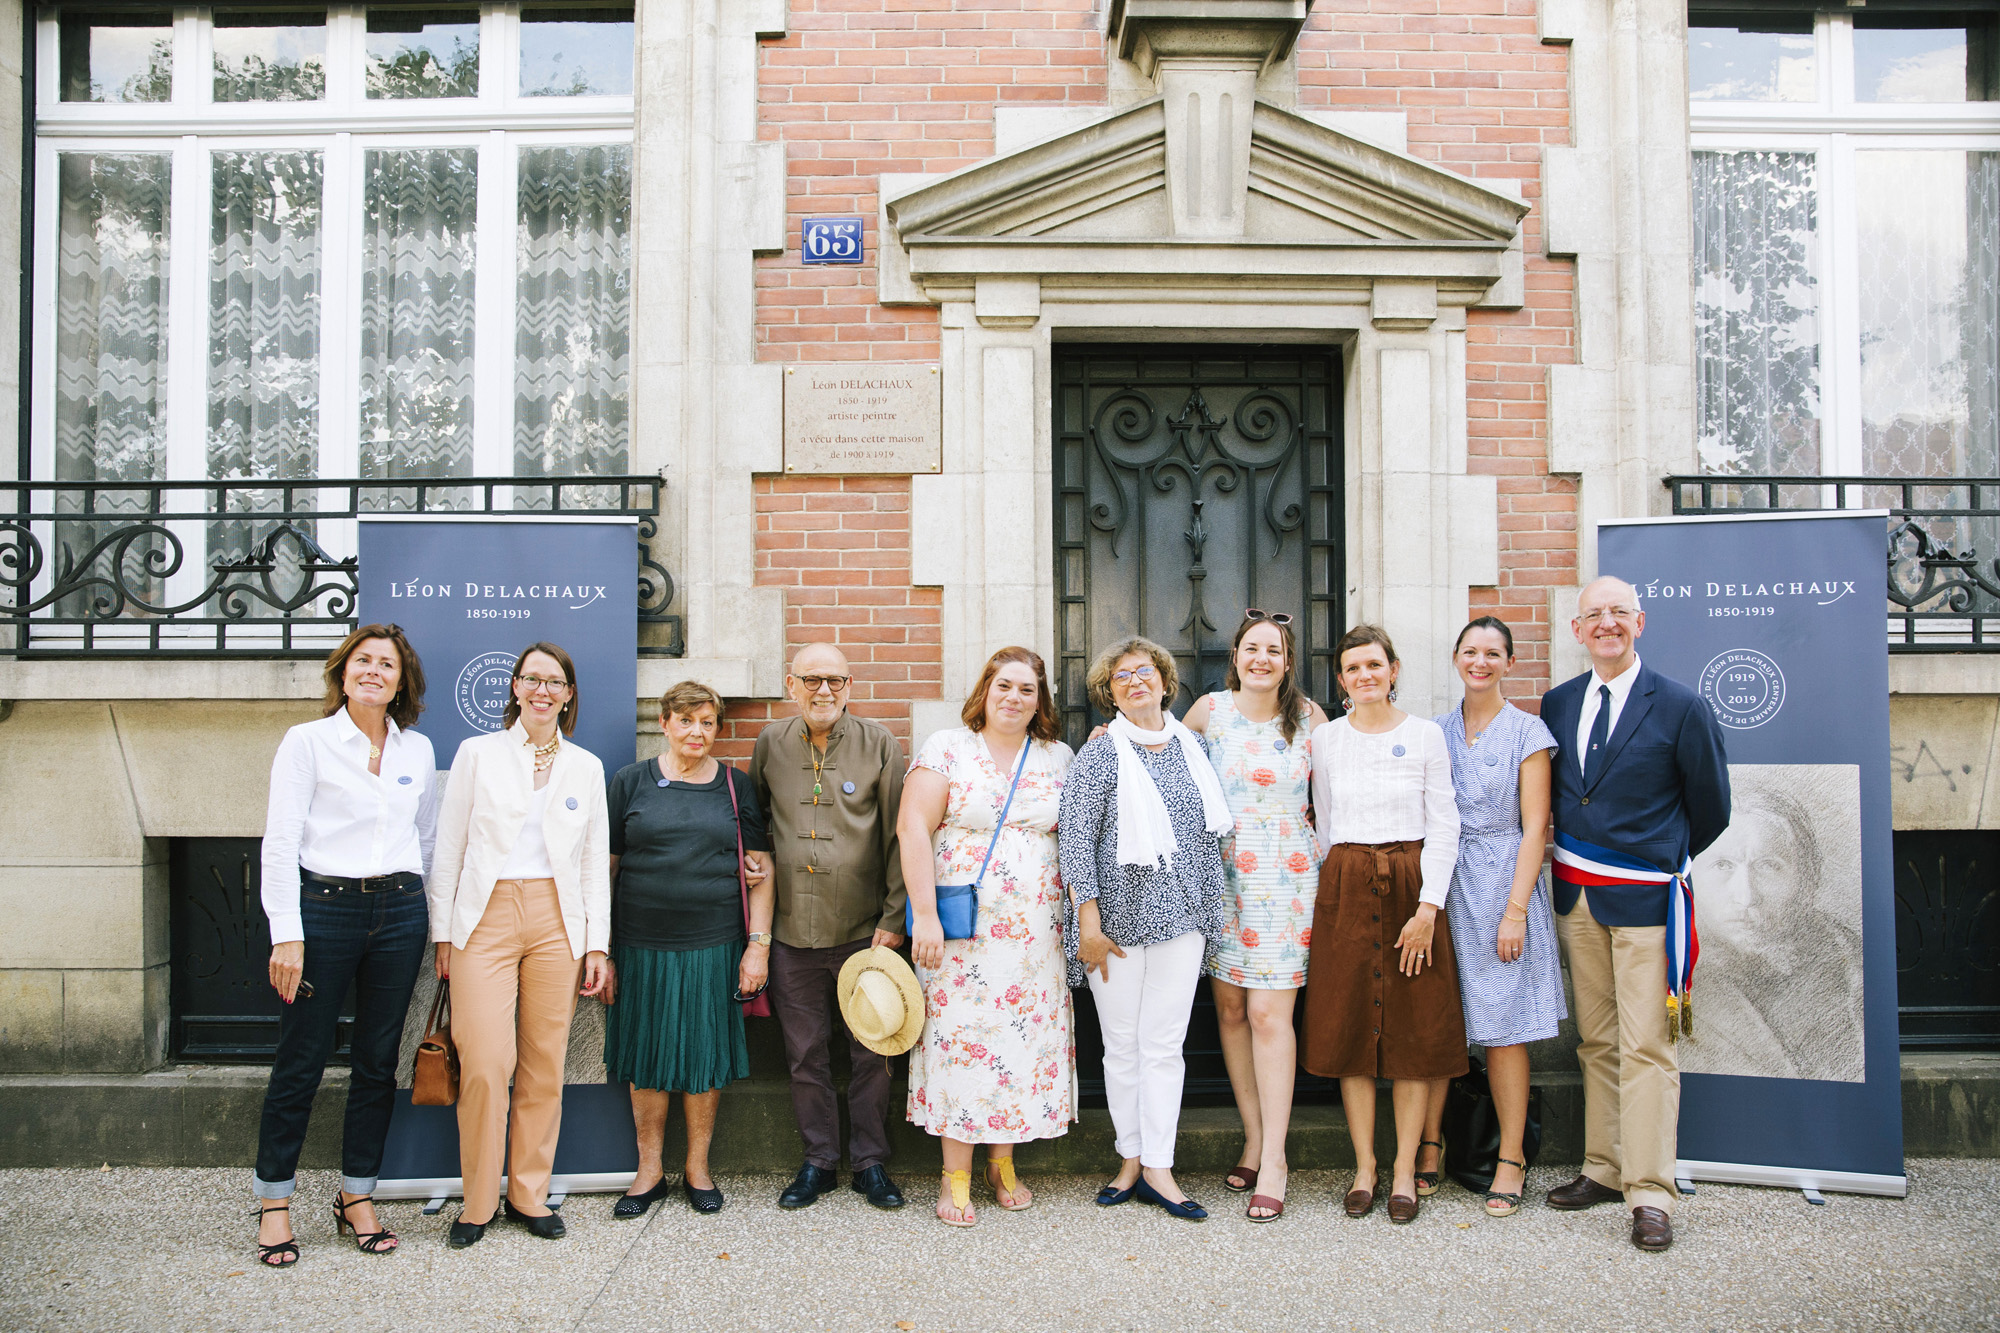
(513, 989)
(1631, 1072)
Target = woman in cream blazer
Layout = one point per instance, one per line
(520, 906)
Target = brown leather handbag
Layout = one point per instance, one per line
(436, 1079)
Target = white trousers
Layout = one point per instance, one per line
(1143, 1012)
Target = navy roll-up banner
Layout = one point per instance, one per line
(471, 594)
(1793, 1076)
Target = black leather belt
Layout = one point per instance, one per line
(402, 879)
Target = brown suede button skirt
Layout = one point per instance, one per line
(1363, 1017)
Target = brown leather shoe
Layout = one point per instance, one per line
(1651, 1230)
(1403, 1208)
(1582, 1193)
(1361, 1202)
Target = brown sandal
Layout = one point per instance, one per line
(1276, 1206)
(1361, 1202)
(1246, 1174)
(1403, 1208)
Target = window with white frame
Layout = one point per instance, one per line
(381, 242)
(1846, 170)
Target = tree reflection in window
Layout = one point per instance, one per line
(416, 53)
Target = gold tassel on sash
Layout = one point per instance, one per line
(1673, 1019)
(1687, 1015)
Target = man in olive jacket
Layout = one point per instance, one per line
(831, 784)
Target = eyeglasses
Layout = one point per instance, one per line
(535, 683)
(833, 684)
(1136, 673)
(1607, 614)
(1275, 617)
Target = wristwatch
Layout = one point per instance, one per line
(762, 937)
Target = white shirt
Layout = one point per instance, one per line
(485, 809)
(1395, 787)
(530, 857)
(1621, 690)
(329, 814)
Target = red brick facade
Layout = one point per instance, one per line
(860, 88)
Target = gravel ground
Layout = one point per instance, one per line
(171, 1249)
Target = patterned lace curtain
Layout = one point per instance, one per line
(572, 350)
(419, 211)
(111, 361)
(1928, 227)
(263, 343)
(1756, 308)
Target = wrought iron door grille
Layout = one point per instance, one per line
(1190, 483)
(1948, 939)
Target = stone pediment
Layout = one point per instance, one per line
(1281, 179)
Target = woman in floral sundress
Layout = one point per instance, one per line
(996, 1063)
(1258, 734)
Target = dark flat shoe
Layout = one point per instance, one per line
(1403, 1208)
(1187, 1210)
(464, 1235)
(549, 1226)
(636, 1205)
(703, 1200)
(1361, 1202)
(1246, 1174)
(1111, 1196)
(806, 1187)
(874, 1183)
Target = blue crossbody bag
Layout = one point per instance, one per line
(958, 904)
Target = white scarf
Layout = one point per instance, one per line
(1145, 832)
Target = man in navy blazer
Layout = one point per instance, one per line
(1641, 779)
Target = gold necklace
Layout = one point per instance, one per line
(545, 755)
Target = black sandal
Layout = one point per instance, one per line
(368, 1242)
(1429, 1182)
(286, 1252)
(1510, 1204)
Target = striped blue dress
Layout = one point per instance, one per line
(1505, 1003)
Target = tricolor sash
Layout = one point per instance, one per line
(1585, 863)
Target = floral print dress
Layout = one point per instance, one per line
(997, 1059)
(1270, 861)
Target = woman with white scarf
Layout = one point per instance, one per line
(1142, 813)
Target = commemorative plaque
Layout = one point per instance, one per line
(860, 417)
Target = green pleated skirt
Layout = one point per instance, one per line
(674, 1027)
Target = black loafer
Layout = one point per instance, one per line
(875, 1183)
(703, 1201)
(1111, 1196)
(806, 1187)
(636, 1205)
(549, 1226)
(464, 1235)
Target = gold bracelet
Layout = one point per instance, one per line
(1509, 916)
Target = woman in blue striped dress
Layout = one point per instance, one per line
(1502, 930)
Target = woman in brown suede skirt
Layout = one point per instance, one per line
(1383, 997)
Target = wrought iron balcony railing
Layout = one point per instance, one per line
(1942, 552)
(254, 568)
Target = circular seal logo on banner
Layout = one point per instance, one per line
(1744, 686)
(482, 689)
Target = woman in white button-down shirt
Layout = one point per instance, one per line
(521, 912)
(352, 816)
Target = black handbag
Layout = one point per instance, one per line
(1472, 1129)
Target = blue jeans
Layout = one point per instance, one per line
(375, 943)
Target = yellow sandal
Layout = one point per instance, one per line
(1008, 1185)
(960, 1184)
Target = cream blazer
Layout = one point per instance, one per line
(485, 805)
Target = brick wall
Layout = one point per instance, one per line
(859, 88)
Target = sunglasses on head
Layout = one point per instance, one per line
(1275, 617)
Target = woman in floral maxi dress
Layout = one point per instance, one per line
(996, 1063)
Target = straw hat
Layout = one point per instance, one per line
(881, 1001)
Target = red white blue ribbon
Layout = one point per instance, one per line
(1585, 864)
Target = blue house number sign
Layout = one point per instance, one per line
(830, 241)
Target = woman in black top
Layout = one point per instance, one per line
(678, 939)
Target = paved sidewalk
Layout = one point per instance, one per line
(171, 1249)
